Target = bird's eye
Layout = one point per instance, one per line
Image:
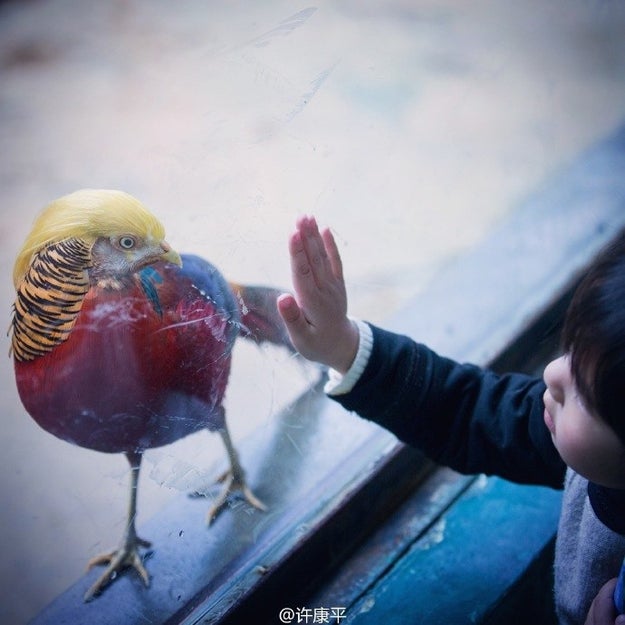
(127, 242)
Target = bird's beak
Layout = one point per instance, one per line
(170, 255)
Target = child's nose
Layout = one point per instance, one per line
(554, 377)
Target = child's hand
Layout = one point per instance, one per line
(602, 611)
(316, 317)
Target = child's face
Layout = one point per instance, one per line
(584, 441)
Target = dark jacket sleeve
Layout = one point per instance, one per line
(460, 415)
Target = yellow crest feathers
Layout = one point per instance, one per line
(87, 215)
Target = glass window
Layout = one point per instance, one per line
(412, 129)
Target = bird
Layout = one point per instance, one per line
(120, 344)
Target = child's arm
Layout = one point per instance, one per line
(316, 316)
(461, 415)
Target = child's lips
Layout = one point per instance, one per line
(549, 422)
(551, 426)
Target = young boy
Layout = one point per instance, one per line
(565, 431)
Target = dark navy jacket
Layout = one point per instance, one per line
(466, 417)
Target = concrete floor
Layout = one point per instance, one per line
(410, 127)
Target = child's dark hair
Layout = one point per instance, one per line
(594, 337)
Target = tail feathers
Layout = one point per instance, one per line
(260, 319)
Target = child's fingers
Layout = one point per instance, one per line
(301, 271)
(311, 278)
(332, 251)
(317, 271)
(296, 323)
(316, 252)
(288, 308)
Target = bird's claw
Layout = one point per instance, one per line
(127, 556)
(232, 484)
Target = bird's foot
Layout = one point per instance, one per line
(232, 484)
(127, 556)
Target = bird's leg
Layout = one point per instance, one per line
(233, 480)
(127, 555)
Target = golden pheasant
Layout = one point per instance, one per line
(121, 345)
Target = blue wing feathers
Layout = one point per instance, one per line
(211, 283)
(250, 310)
